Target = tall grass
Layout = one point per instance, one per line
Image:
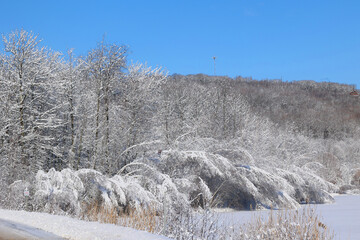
(143, 219)
(303, 224)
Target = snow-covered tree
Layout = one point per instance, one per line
(137, 104)
(104, 68)
(32, 90)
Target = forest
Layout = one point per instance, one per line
(80, 130)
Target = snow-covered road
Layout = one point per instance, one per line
(17, 231)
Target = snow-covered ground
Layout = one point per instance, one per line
(17, 231)
(342, 217)
(70, 228)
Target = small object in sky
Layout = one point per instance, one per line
(214, 66)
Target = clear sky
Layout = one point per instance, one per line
(265, 39)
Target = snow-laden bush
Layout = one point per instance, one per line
(67, 192)
(172, 182)
(273, 191)
(57, 192)
(70, 192)
(164, 190)
(227, 187)
(307, 187)
(317, 188)
(239, 157)
(234, 184)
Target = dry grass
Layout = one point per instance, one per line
(184, 226)
(144, 219)
(301, 224)
(288, 224)
(94, 211)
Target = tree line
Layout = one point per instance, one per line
(98, 111)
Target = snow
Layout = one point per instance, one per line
(342, 217)
(13, 230)
(181, 180)
(71, 228)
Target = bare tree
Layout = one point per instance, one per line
(104, 68)
(33, 90)
(139, 95)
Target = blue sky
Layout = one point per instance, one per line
(289, 39)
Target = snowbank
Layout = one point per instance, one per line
(74, 229)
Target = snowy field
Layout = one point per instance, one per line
(70, 228)
(343, 217)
